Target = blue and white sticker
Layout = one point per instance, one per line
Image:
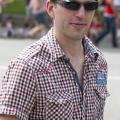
(101, 79)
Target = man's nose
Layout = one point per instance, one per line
(81, 12)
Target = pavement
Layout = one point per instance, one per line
(10, 47)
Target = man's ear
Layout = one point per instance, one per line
(50, 8)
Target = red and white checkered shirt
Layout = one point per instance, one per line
(41, 84)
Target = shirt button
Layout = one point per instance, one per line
(74, 73)
(60, 100)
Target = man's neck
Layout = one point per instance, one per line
(75, 52)
(72, 48)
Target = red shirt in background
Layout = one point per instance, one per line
(108, 8)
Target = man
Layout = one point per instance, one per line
(61, 77)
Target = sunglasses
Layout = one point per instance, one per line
(74, 5)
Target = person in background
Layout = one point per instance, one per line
(96, 27)
(9, 29)
(37, 7)
(109, 24)
(2, 4)
(63, 76)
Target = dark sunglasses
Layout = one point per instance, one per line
(74, 5)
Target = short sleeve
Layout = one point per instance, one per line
(18, 90)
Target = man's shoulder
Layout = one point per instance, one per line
(35, 54)
(95, 50)
(101, 60)
(34, 50)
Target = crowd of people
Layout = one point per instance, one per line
(34, 9)
(105, 22)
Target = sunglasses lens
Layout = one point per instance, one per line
(91, 6)
(71, 5)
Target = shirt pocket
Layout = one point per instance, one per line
(100, 95)
(101, 92)
(59, 106)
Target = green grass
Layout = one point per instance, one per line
(15, 8)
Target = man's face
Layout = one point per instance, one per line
(70, 19)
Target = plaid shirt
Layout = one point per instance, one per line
(41, 84)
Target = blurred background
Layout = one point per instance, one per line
(22, 22)
(23, 19)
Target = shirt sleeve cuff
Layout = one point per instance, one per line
(5, 110)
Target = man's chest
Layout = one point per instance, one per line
(64, 75)
(61, 93)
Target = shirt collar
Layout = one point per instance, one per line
(90, 50)
(54, 47)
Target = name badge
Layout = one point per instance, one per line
(101, 79)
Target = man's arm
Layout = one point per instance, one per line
(8, 117)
